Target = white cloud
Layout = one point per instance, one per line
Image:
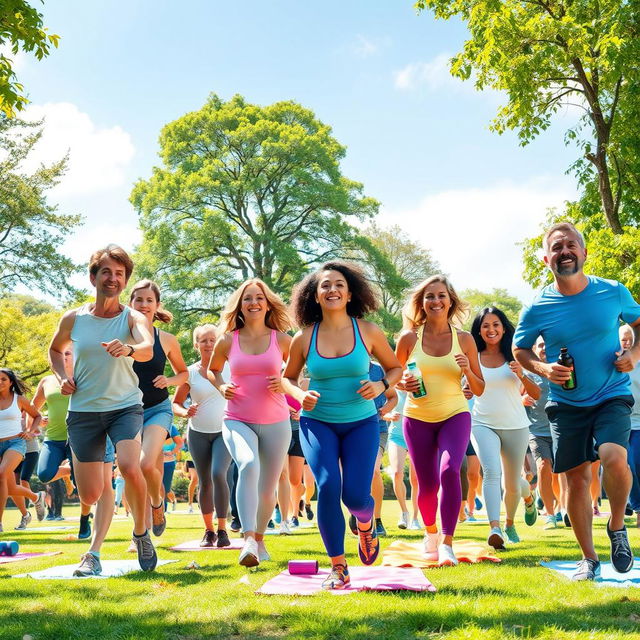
(433, 74)
(366, 47)
(473, 233)
(98, 156)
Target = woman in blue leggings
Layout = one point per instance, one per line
(339, 429)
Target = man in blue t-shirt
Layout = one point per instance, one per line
(583, 313)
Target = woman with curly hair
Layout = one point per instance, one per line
(437, 424)
(257, 429)
(339, 428)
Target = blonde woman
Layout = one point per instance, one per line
(257, 428)
(438, 424)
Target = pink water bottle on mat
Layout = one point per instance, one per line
(303, 567)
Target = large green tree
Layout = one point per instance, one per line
(31, 229)
(21, 29)
(500, 298)
(546, 55)
(244, 190)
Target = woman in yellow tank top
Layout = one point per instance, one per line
(437, 424)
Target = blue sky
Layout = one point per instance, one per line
(374, 71)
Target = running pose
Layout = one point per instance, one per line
(158, 416)
(339, 428)
(257, 428)
(206, 443)
(105, 400)
(583, 314)
(437, 425)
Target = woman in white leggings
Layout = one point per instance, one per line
(499, 424)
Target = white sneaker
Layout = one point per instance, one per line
(249, 556)
(403, 523)
(415, 525)
(284, 529)
(430, 542)
(190, 509)
(263, 554)
(446, 557)
(496, 538)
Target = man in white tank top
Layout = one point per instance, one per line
(105, 400)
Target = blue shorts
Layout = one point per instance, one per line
(13, 444)
(160, 414)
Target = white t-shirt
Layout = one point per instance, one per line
(500, 406)
(634, 376)
(211, 404)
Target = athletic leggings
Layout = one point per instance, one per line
(58, 491)
(168, 469)
(437, 450)
(212, 460)
(259, 450)
(634, 464)
(511, 445)
(342, 457)
(52, 455)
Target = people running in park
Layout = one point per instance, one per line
(590, 400)
(257, 428)
(204, 436)
(339, 422)
(436, 414)
(158, 415)
(107, 338)
(500, 427)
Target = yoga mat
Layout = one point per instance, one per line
(406, 554)
(194, 545)
(362, 579)
(32, 529)
(609, 577)
(26, 556)
(110, 569)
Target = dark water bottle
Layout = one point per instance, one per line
(566, 360)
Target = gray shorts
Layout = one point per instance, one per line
(88, 430)
(541, 447)
(384, 438)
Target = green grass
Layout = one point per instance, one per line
(514, 599)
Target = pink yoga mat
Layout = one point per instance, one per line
(362, 579)
(194, 545)
(26, 556)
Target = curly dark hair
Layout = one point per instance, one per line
(18, 386)
(306, 308)
(507, 338)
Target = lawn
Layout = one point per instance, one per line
(514, 599)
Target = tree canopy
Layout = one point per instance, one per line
(499, 298)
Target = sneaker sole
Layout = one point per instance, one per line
(249, 560)
(496, 541)
(337, 587)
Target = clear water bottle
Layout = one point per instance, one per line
(417, 374)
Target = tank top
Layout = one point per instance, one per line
(147, 371)
(11, 419)
(337, 380)
(442, 379)
(104, 383)
(210, 402)
(500, 406)
(252, 401)
(57, 407)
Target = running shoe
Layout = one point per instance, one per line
(446, 557)
(496, 539)
(147, 556)
(530, 513)
(235, 525)
(403, 523)
(567, 522)
(512, 534)
(478, 503)
(59, 518)
(24, 521)
(559, 516)
(39, 505)
(249, 554)
(223, 539)
(89, 566)
(158, 519)
(263, 554)
(430, 543)
(50, 517)
(271, 525)
(277, 516)
(133, 547)
(353, 525)
(295, 523)
(208, 539)
(190, 509)
(621, 554)
(309, 512)
(369, 545)
(284, 529)
(381, 532)
(337, 579)
(415, 525)
(301, 506)
(539, 502)
(550, 522)
(85, 528)
(586, 569)
(596, 511)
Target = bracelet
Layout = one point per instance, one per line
(131, 350)
(385, 382)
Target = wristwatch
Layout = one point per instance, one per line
(131, 350)
(386, 384)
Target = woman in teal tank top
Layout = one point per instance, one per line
(339, 429)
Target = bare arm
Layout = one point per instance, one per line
(404, 347)
(469, 363)
(219, 356)
(554, 372)
(291, 377)
(382, 352)
(143, 338)
(60, 341)
(174, 355)
(33, 415)
(179, 399)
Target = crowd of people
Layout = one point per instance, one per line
(497, 415)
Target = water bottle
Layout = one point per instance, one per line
(566, 360)
(417, 374)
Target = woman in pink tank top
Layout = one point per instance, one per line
(257, 429)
